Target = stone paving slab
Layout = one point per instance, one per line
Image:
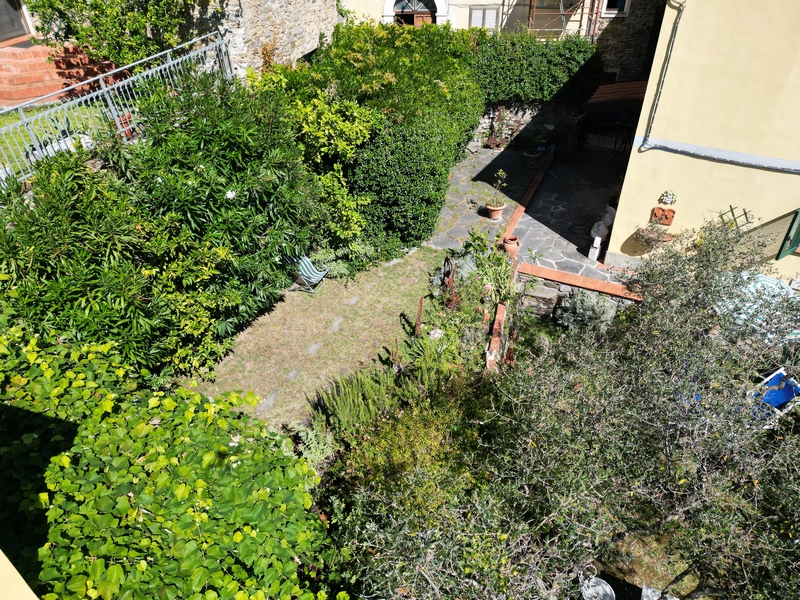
(554, 231)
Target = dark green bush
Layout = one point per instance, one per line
(518, 66)
(153, 495)
(180, 251)
(419, 80)
(404, 171)
(73, 255)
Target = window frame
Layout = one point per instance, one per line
(610, 13)
(484, 8)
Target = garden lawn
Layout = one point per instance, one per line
(310, 339)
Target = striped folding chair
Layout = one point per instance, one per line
(308, 276)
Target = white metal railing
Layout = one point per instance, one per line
(81, 113)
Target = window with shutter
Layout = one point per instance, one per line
(483, 16)
(792, 239)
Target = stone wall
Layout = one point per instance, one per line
(625, 42)
(290, 28)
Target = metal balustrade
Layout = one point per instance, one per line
(105, 105)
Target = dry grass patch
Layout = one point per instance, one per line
(310, 339)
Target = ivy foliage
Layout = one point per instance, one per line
(122, 31)
(158, 495)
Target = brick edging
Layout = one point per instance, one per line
(587, 283)
(497, 333)
(523, 203)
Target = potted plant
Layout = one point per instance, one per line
(495, 203)
(511, 245)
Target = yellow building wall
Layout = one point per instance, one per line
(12, 585)
(365, 10)
(732, 88)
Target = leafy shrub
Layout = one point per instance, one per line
(186, 246)
(158, 495)
(584, 309)
(345, 260)
(648, 437)
(404, 170)
(121, 31)
(400, 71)
(518, 66)
(73, 260)
(419, 80)
(355, 399)
(386, 451)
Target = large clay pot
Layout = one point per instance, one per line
(495, 212)
(511, 245)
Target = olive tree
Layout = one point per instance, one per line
(645, 431)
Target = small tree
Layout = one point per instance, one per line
(645, 431)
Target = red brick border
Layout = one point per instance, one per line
(497, 335)
(523, 203)
(587, 283)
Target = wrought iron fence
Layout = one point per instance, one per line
(104, 105)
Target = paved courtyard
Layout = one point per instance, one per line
(555, 230)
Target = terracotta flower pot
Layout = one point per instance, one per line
(663, 216)
(125, 126)
(495, 212)
(511, 245)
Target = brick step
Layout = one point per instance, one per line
(11, 95)
(36, 65)
(37, 77)
(22, 53)
(24, 65)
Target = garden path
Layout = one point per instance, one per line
(554, 231)
(310, 339)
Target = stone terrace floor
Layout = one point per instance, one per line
(555, 230)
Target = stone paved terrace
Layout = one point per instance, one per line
(555, 230)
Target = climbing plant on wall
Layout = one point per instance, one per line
(121, 31)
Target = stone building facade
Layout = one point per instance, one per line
(627, 42)
(288, 29)
(625, 30)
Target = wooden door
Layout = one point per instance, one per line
(12, 23)
(419, 19)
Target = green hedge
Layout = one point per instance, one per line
(71, 257)
(517, 66)
(419, 80)
(179, 244)
(148, 494)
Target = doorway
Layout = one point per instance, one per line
(12, 21)
(414, 12)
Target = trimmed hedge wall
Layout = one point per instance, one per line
(419, 79)
(517, 66)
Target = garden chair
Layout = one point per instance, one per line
(308, 276)
(776, 396)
